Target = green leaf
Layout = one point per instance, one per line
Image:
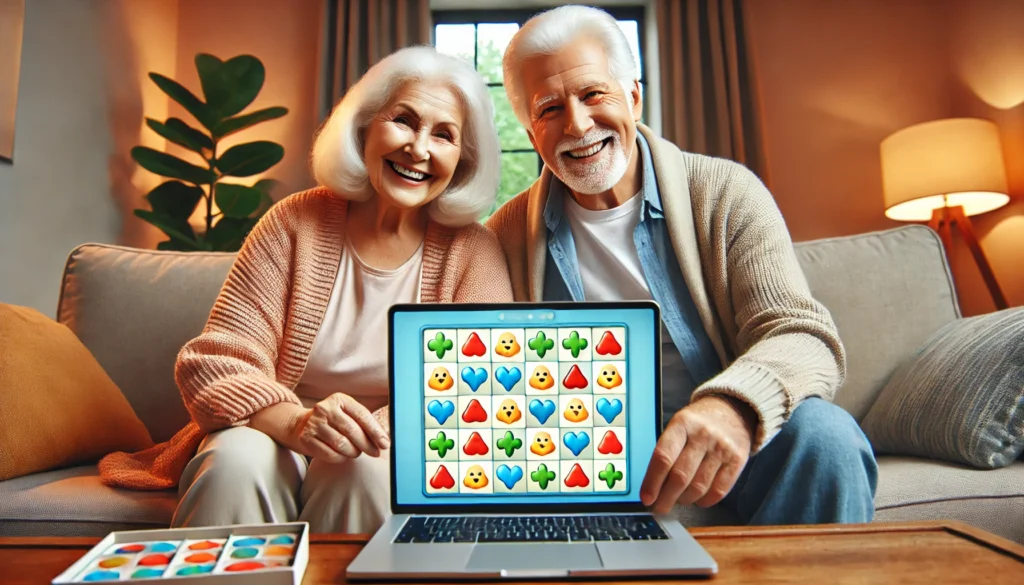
(237, 201)
(167, 165)
(229, 233)
(174, 199)
(229, 86)
(250, 158)
(207, 116)
(178, 132)
(232, 125)
(173, 227)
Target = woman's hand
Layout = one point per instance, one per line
(335, 429)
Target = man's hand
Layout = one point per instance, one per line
(700, 455)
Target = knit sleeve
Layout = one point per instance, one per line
(484, 277)
(788, 348)
(227, 373)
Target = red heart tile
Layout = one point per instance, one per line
(610, 444)
(475, 445)
(608, 344)
(576, 477)
(442, 480)
(473, 346)
(474, 412)
(575, 378)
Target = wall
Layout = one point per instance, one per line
(837, 77)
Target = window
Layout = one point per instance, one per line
(480, 38)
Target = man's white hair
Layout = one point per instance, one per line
(549, 31)
(337, 156)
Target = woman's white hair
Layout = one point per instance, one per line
(549, 31)
(337, 156)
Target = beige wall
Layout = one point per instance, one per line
(836, 77)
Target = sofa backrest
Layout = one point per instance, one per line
(888, 292)
(134, 309)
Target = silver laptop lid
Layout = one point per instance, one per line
(525, 407)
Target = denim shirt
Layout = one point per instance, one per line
(562, 282)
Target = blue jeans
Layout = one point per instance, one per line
(818, 469)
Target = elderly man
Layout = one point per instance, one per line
(750, 359)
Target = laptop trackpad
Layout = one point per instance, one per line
(527, 557)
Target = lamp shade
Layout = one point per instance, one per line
(943, 163)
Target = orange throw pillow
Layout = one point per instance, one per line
(58, 407)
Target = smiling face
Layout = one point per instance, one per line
(440, 379)
(414, 144)
(582, 121)
(542, 444)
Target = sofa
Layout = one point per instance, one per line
(134, 309)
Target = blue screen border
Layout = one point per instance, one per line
(452, 507)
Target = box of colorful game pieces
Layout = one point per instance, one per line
(267, 554)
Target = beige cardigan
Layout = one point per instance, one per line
(779, 344)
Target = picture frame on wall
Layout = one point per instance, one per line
(12, 21)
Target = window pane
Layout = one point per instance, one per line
(511, 134)
(632, 32)
(492, 38)
(518, 171)
(455, 40)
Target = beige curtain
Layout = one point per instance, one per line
(362, 32)
(708, 95)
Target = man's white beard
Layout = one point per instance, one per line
(594, 177)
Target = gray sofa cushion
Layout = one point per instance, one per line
(961, 398)
(888, 292)
(73, 502)
(134, 310)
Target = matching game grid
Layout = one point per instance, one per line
(525, 411)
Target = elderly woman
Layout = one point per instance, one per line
(288, 384)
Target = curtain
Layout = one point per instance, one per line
(362, 32)
(708, 95)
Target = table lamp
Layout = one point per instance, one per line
(942, 172)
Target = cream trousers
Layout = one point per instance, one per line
(241, 476)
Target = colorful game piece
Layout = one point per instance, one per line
(508, 378)
(202, 557)
(102, 576)
(609, 409)
(474, 378)
(542, 476)
(440, 379)
(161, 547)
(131, 548)
(542, 444)
(147, 573)
(475, 478)
(112, 562)
(204, 545)
(577, 477)
(574, 343)
(441, 443)
(508, 412)
(439, 345)
(185, 571)
(609, 475)
(244, 553)
(244, 566)
(509, 443)
(541, 344)
(609, 445)
(473, 346)
(575, 379)
(474, 412)
(507, 345)
(475, 445)
(251, 541)
(442, 480)
(155, 560)
(608, 345)
(509, 476)
(609, 377)
(542, 411)
(278, 551)
(575, 411)
(576, 442)
(541, 379)
(441, 411)
(283, 539)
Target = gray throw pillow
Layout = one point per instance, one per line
(960, 398)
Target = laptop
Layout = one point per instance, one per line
(520, 438)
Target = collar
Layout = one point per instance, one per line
(557, 190)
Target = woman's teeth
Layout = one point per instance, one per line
(408, 173)
(589, 151)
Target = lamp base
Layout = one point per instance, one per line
(942, 221)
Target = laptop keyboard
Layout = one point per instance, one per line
(530, 528)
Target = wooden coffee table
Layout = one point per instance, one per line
(928, 552)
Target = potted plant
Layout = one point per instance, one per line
(228, 87)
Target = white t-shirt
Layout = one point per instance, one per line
(610, 268)
(350, 352)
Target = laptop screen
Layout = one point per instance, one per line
(522, 404)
